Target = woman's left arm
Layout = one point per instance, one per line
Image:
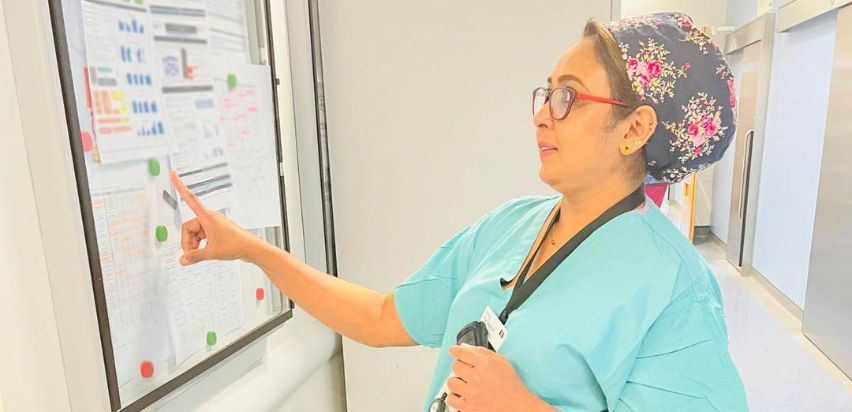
(485, 381)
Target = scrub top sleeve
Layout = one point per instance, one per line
(683, 365)
(423, 300)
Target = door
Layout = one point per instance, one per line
(754, 42)
(828, 302)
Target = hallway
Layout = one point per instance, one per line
(761, 333)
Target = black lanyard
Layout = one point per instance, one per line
(522, 291)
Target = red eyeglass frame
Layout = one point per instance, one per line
(576, 96)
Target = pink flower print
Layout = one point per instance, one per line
(644, 80)
(687, 24)
(655, 68)
(632, 63)
(733, 99)
(710, 125)
(687, 65)
(698, 150)
(715, 126)
(692, 130)
(699, 140)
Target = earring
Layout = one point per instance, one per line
(625, 149)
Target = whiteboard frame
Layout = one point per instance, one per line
(84, 197)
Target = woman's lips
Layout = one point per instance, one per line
(545, 150)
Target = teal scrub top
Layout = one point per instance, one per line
(631, 321)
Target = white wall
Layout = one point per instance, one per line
(792, 153)
(704, 13)
(740, 12)
(313, 396)
(31, 372)
(429, 128)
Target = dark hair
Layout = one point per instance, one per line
(610, 57)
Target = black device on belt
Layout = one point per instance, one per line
(476, 334)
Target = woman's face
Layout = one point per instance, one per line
(586, 153)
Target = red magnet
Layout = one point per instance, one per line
(87, 141)
(147, 369)
(259, 293)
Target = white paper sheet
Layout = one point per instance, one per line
(247, 124)
(200, 158)
(205, 297)
(132, 285)
(228, 30)
(127, 115)
(180, 36)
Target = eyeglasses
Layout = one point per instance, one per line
(562, 98)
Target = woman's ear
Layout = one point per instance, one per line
(641, 126)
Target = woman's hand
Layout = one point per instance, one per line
(225, 240)
(485, 381)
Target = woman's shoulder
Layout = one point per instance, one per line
(512, 219)
(520, 211)
(527, 204)
(686, 269)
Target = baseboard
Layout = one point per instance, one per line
(718, 241)
(761, 280)
(779, 296)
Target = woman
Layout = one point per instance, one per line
(631, 319)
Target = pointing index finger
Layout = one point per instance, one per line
(187, 195)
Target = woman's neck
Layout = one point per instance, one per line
(579, 208)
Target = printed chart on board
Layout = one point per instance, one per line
(161, 86)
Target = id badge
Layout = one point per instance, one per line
(496, 335)
(496, 330)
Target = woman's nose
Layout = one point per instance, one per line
(542, 117)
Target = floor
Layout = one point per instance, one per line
(781, 369)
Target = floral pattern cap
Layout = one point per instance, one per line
(681, 73)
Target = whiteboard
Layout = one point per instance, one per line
(154, 86)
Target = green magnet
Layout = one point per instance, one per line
(211, 338)
(162, 233)
(154, 167)
(232, 80)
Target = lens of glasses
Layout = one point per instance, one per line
(560, 102)
(539, 99)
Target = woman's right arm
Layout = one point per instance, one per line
(353, 311)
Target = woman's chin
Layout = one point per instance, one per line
(548, 176)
